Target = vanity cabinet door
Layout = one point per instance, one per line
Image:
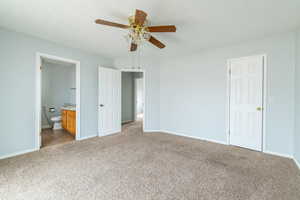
(71, 122)
(64, 119)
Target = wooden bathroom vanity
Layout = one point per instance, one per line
(68, 118)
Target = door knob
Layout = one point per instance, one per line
(101, 105)
(258, 108)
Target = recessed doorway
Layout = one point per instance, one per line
(58, 100)
(132, 92)
(120, 102)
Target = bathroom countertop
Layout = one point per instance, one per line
(72, 108)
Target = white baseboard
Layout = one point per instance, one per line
(194, 137)
(17, 153)
(225, 143)
(150, 131)
(87, 137)
(110, 132)
(297, 163)
(279, 154)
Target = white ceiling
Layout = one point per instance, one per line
(200, 24)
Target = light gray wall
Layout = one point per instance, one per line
(127, 96)
(297, 115)
(17, 88)
(193, 92)
(185, 95)
(152, 87)
(57, 81)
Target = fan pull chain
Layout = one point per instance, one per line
(132, 59)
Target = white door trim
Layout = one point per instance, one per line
(144, 91)
(38, 97)
(135, 98)
(264, 56)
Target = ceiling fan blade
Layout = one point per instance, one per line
(133, 47)
(107, 23)
(140, 17)
(156, 42)
(170, 28)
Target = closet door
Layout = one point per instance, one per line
(246, 102)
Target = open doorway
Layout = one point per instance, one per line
(58, 96)
(132, 91)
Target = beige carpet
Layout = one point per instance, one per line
(136, 166)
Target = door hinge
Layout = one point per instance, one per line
(229, 71)
(41, 68)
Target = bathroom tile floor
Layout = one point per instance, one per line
(52, 137)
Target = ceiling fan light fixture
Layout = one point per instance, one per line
(139, 30)
(137, 35)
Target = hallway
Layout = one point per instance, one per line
(132, 128)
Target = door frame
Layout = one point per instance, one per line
(135, 97)
(38, 96)
(264, 99)
(144, 93)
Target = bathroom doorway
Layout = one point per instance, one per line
(58, 95)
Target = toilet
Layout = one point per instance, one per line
(56, 122)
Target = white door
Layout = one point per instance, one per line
(246, 102)
(109, 115)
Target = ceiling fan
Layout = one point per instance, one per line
(139, 29)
